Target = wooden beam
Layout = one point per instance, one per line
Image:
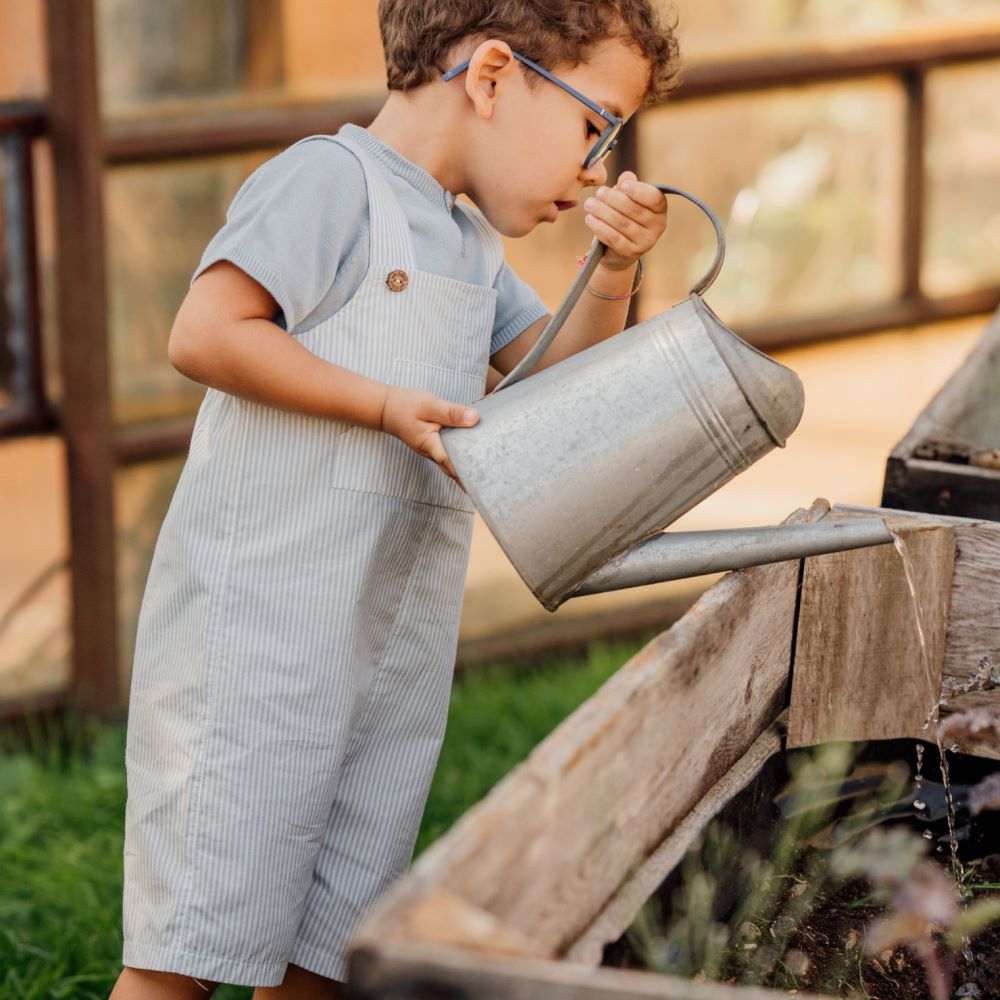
(911, 250)
(26, 117)
(964, 412)
(77, 155)
(941, 488)
(230, 130)
(553, 843)
(821, 61)
(622, 909)
(896, 315)
(869, 653)
(397, 969)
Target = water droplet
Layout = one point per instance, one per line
(917, 804)
(928, 835)
(953, 748)
(926, 725)
(940, 849)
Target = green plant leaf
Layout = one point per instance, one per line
(973, 920)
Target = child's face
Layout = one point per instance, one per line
(530, 144)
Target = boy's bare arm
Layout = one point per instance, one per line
(224, 337)
(628, 218)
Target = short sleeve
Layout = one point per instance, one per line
(292, 224)
(518, 306)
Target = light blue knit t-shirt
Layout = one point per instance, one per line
(299, 227)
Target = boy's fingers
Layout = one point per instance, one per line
(639, 234)
(622, 204)
(613, 239)
(646, 195)
(435, 452)
(455, 415)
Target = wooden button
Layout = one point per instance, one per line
(397, 281)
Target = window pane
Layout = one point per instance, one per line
(19, 350)
(160, 218)
(737, 28)
(190, 55)
(963, 164)
(142, 495)
(34, 584)
(12, 333)
(807, 185)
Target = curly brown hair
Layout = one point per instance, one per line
(418, 34)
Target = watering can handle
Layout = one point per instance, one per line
(597, 250)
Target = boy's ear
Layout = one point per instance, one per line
(489, 68)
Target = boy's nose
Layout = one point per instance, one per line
(596, 174)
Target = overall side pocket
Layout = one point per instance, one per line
(373, 462)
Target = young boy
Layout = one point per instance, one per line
(298, 630)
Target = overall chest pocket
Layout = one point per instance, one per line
(369, 461)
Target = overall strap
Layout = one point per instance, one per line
(390, 245)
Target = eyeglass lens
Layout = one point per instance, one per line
(604, 145)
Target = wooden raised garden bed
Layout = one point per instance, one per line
(949, 462)
(521, 897)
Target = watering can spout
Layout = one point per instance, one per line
(678, 555)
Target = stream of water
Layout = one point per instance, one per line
(937, 699)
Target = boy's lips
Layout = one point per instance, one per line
(556, 207)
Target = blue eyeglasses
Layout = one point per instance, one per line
(608, 138)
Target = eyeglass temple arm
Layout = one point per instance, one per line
(606, 115)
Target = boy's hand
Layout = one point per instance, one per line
(416, 418)
(628, 219)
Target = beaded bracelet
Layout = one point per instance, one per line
(618, 298)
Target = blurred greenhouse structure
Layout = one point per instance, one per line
(852, 149)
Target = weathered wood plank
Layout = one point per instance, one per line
(85, 420)
(971, 722)
(974, 617)
(944, 488)
(966, 406)
(869, 653)
(551, 844)
(961, 423)
(399, 969)
(621, 910)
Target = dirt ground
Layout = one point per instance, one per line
(833, 941)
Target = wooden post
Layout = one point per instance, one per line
(861, 669)
(77, 148)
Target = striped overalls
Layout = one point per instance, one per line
(296, 645)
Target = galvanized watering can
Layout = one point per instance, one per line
(577, 469)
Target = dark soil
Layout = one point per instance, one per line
(827, 956)
(833, 942)
(825, 953)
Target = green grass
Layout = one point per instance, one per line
(61, 821)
